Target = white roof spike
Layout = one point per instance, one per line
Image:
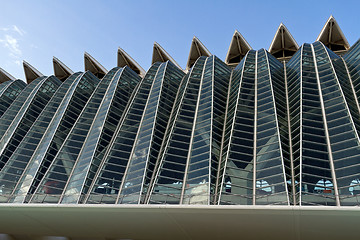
(5, 76)
(237, 49)
(160, 55)
(124, 59)
(61, 71)
(31, 73)
(283, 45)
(197, 50)
(92, 65)
(332, 36)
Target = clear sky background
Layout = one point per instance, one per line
(35, 31)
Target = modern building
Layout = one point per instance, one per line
(266, 142)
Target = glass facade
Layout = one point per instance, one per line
(108, 179)
(262, 131)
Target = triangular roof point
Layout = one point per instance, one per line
(332, 36)
(92, 65)
(160, 55)
(31, 73)
(283, 45)
(124, 59)
(61, 71)
(5, 76)
(197, 50)
(237, 49)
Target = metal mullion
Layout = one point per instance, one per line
(355, 175)
(342, 118)
(193, 132)
(342, 133)
(242, 153)
(300, 127)
(172, 162)
(242, 140)
(332, 167)
(22, 111)
(138, 132)
(255, 130)
(94, 92)
(352, 88)
(239, 177)
(345, 150)
(171, 170)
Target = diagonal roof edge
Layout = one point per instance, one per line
(31, 73)
(331, 18)
(164, 55)
(94, 63)
(5, 76)
(129, 61)
(65, 69)
(277, 35)
(199, 50)
(235, 37)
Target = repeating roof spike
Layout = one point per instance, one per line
(332, 36)
(61, 71)
(237, 49)
(5, 76)
(197, 50)
(283, 45)
(160, 55)
(124, 59)
(92, 65)
(31, 73)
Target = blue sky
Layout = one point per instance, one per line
(36, 31)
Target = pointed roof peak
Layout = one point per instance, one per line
(160, 55)
(31, 73)
(61, 71)
(331, 18)
(5, 76)
(197, 50)
(332, 36)
(237, 49)
(124, 59)
(283, 45)
(282, 26)
(92, 65)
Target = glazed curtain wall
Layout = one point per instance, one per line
(264, 132)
